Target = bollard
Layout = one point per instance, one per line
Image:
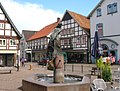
(17, 67)
(30, 67)
(82, 68)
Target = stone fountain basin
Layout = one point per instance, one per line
(30, 84)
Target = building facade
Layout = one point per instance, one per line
(75, 37)
(9, 40)
(26, 34)
(39, 41)
(104, 18)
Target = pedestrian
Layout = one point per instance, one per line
(22, 61)
(112, 59)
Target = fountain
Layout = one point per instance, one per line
(44, 82)
(58, 81)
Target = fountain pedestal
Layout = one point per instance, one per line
(58, 69)
(59, 76)
(35, 85)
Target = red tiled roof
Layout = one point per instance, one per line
(81, 20)
(44, 31)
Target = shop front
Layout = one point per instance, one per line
(108, 47)
(7, 59)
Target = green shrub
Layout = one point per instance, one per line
(100, 63)
(106, 73)
(105, 69)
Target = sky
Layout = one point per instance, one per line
(36, 14)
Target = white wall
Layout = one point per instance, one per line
(111, 22)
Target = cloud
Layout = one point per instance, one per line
(29, 16)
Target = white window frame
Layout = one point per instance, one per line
(1, 25)
(112, 8)
(12, 42)
(2, 42)
(99, 13)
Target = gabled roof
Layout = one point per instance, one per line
(44, 31)
(10, 21)
(28, 33)
(80, 19)
(95, 8)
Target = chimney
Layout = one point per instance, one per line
(58, 19)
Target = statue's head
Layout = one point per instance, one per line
(59, 25)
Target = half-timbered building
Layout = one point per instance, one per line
(39, 41)
(75, 37)
(9, 40)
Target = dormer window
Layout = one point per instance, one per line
(112, 8)
(99, 12)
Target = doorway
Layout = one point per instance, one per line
(105, 50)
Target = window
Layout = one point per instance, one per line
(62, 27)
(76, 24)
(65, 26)
(80, 32)
(76, 33)
(62, 42)
(68, 21)
(65, 41)
(68, 32)
(12, 42)
(1, 25)
(78, 40)
(72, 25)
(72, 30)
(68, 25)
(76, 28)
(72, 20)
(99, 28)
(99, 12)
(109, 9)
(112, 8)
(83, 40)
(2, 42)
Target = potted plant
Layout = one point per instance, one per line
(107, 72)
(105, 69)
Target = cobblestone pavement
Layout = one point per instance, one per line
(13, 81)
